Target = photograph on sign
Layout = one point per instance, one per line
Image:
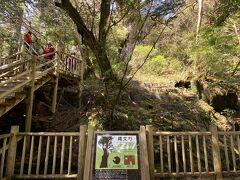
(116, 152)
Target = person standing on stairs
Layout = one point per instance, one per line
(49, 54)
(71, 62)
(27, 39)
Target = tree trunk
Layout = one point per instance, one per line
(128, 45)
(200, 12)
(238, 36)
(133, 22)
(103, 62)
(104, 162)
(97, 46)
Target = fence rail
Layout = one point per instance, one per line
(71, 65)
(44, 155)
(56, 155)
(230, 151)
(175, 154)
(60, 147)
(4, 140)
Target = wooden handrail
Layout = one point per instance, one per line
(13, 64)
(14, 78)
(10, 56)
(74, 57)
(6, 148)
(48, 134)
(229, 133)
(44, 55)
(181, 133)
(5, 136)
(45, 63)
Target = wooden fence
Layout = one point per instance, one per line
(178, 154)
(71, 65)
(43, 155)
(55, 155)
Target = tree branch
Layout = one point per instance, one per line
(77, 19)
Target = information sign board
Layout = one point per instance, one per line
(116, 157)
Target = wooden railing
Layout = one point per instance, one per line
(71, 65)
(162, 154)
(21, 72)
(43, 155)
(230, 151)
(24, 70)
(43, 163)
(176, 154)
(4, 140)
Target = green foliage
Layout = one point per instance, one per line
(224, 9)
(156, 64)
(139, 55)
(115, 38)
(159, 65)
(228, 112)
(214, 52)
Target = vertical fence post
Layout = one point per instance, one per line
(55, 89)
(143, 154)
(20, 56)
(12, 149)
(30, 96)
(82, 151)
(150, 150)
(216, 153)
(88, 158)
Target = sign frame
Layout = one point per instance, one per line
(124, 173)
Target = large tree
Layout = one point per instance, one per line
(96, 42)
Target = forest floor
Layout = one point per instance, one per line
(143, 102)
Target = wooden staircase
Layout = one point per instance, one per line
(23, 73)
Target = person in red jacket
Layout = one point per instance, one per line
(28, 39)
(48, 54)
(48, 49)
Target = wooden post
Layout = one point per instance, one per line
(22, 50)
(88, 158)
(216, 153)
(30, 97)
(54, 100)
(143, 154)
(82, 151)
(12, 149)
(150, 150)
(21, 56)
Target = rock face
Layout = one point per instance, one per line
(217, 94)
(221, 102)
